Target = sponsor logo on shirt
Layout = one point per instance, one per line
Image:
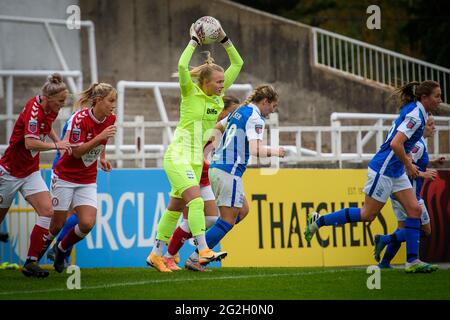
(190, 174)
(415, 149)
(258, 128)
(32, 126)
(76, 133)
(211, 111)
(411, 124)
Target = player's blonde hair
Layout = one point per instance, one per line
(414, 91)
(265, 91)
(203, 72)
(53, 85)
(88, 97)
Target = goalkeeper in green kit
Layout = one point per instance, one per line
(201, 102)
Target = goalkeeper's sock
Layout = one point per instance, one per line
(167, 225)
(196, 216)
(159, 247)
(217, 232)
(340, 217)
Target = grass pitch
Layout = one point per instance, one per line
(228, 283)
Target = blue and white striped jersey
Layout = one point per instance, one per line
(244, 124)
(420, 158)
(411, 122)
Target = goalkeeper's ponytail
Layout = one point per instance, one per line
(203, 72)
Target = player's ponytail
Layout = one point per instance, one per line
(53, 85)
(88, 97)
(414, 91)
(203, 72)
(265, 91)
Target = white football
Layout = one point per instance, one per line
(208, 29)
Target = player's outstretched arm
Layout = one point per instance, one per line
(235, 58)
(186, 84)
(261, 151)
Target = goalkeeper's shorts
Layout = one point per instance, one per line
(182, 176)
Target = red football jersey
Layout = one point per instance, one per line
(32, 122)
(85, 127)
(204, 179)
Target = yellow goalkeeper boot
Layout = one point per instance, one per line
(157, 262)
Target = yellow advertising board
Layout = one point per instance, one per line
(272, 233)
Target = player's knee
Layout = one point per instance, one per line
(46, 210)
(210, 221)
(426, 233)
(86, 227)
(196, 205)
(414, 212)
(368, 216)
(243, 213)
(58, 224)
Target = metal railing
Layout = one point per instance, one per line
(364, 140)
(338, 142)
(146, 152)
(370, 62)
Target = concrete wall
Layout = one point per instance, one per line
(27, 46)
(142, 40)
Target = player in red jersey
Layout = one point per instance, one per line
(19, 166)
(182, 233)
(75, 175)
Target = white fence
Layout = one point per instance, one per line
(370, 62)
(141, 150)
(363, 140)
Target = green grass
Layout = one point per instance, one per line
(228, 283)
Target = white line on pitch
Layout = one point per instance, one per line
(137, 283)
